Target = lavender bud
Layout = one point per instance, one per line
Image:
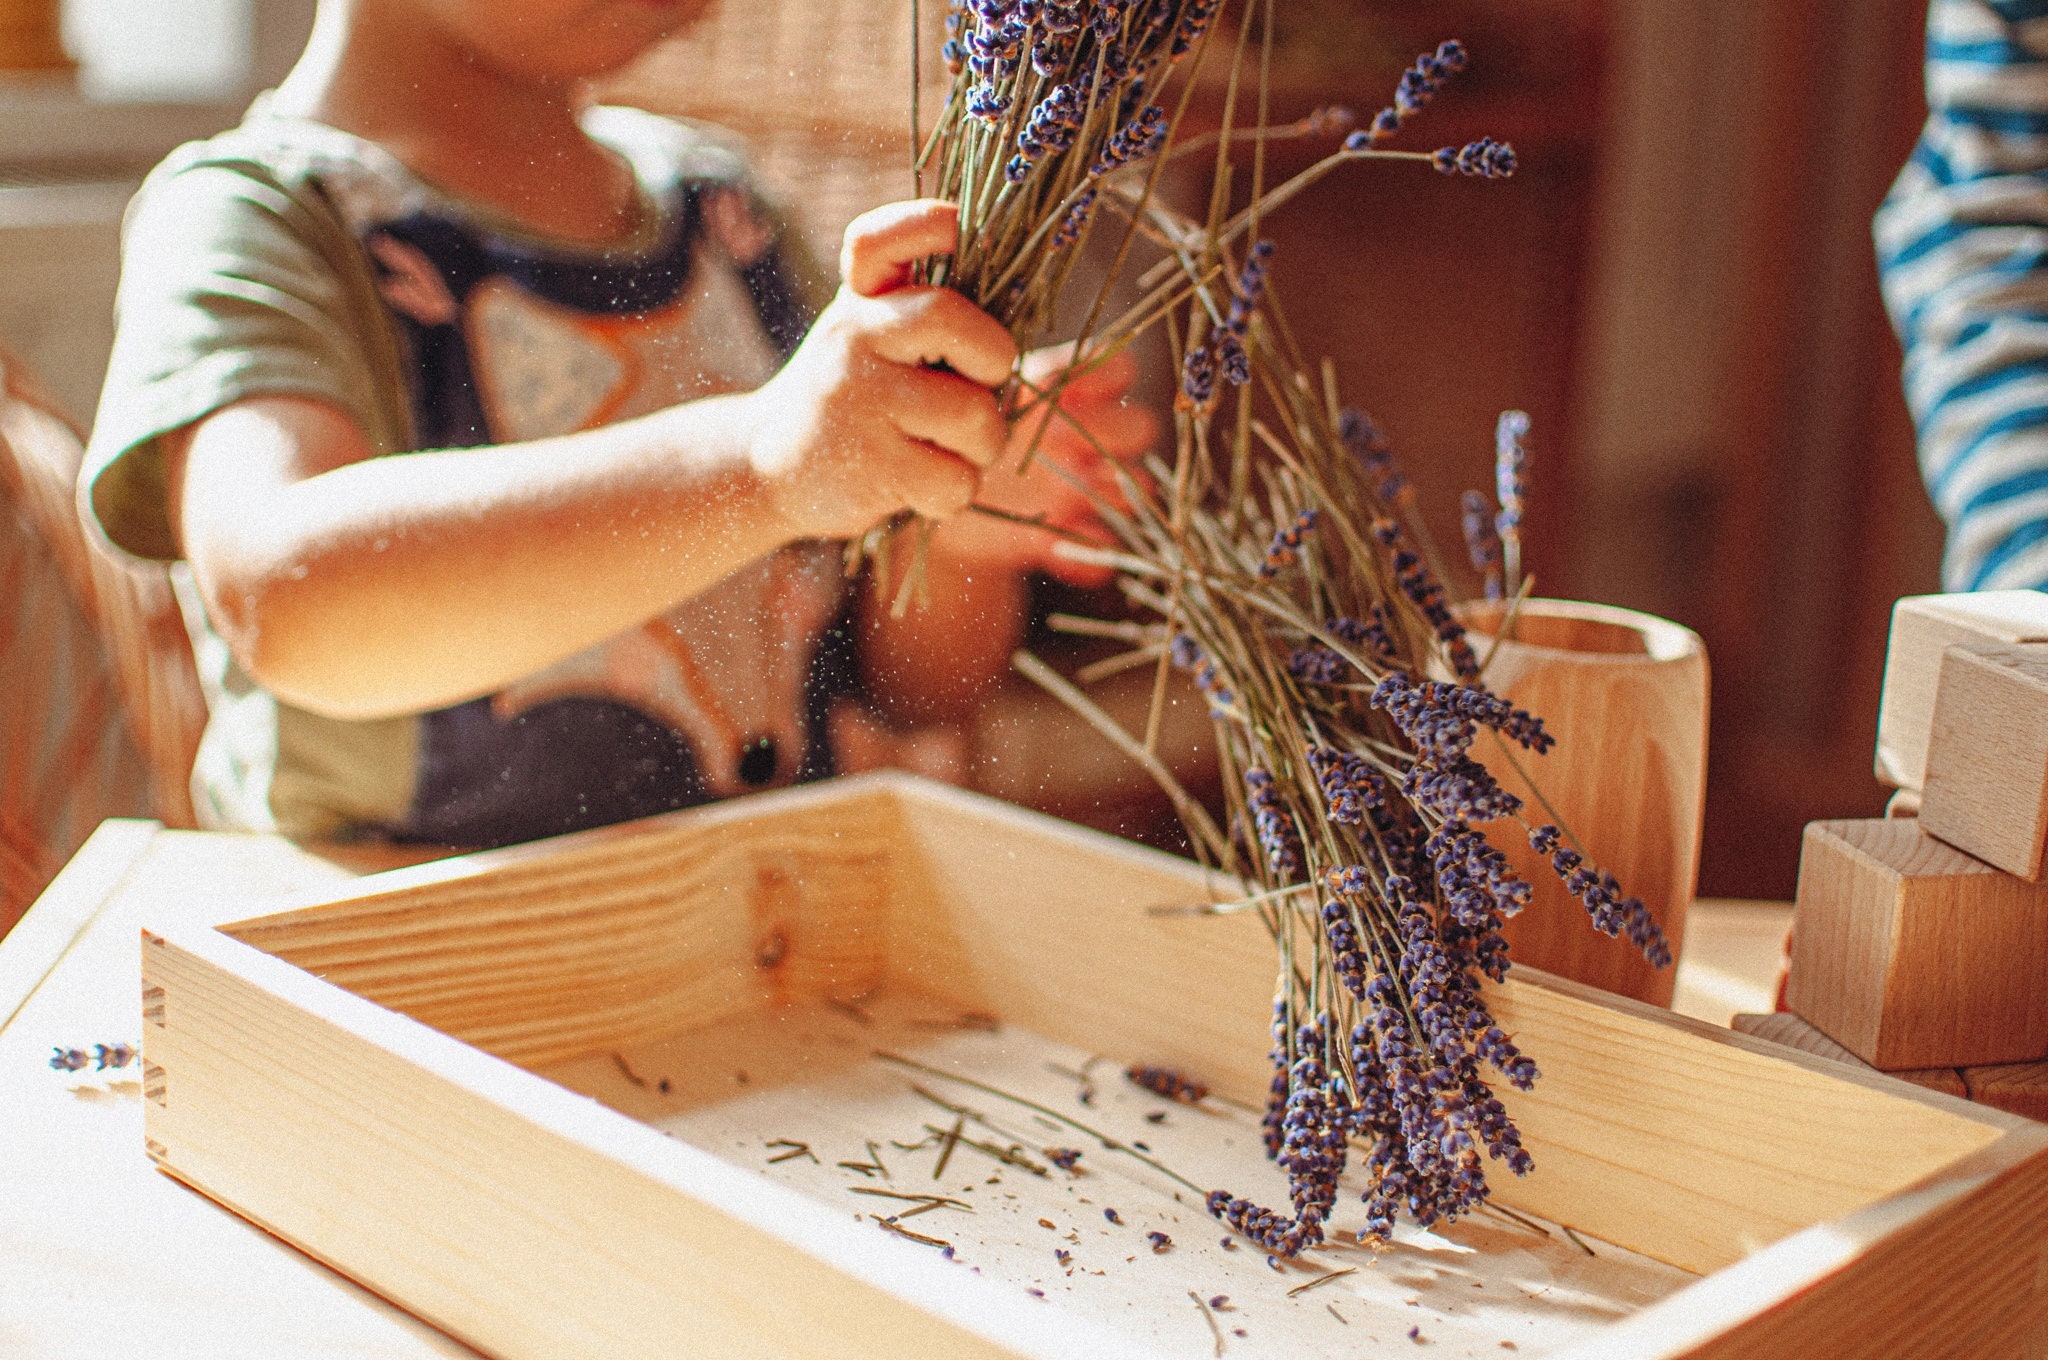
(1485, 159)
(1482, 542)
(1418, 85)
(1510, 469)
(1198, 377)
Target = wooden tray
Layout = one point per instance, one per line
(549, 1098)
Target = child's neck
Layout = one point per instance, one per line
(495, 138)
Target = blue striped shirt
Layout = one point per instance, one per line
(1962, 244)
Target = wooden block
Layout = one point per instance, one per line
(1923, 627)
(1987, 762)
(2017, 1088)
(1783, 1027)
(1909, 953)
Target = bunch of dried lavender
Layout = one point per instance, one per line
(1282, 567)
(1057, 106)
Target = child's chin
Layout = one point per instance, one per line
(596, 37)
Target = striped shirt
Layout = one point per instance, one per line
(1962, 243)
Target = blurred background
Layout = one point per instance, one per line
(1678, 286)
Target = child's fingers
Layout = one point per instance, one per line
(1108, 381)
(881, 245)
(1121, 432)
(936, 483)
(950, 412)
(938, 326)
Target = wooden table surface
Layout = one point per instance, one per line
(103, 1256)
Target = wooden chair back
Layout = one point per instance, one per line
(129, 606)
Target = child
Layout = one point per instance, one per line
(603, 581)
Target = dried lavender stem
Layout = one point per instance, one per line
(1210, 1318)
(1197, 818)
(1103, 628)
(1107, 1143)
(1118, 664)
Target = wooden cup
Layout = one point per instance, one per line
(31, 37)
(1625, 694)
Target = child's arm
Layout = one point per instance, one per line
(942, 656)
(361, 587)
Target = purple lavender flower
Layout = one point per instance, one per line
(1342, 776)
(1496, 1048)
(1611, 913)
(1373, 634)
(1482, 541)
(1050, 130)
(1369, 445)
(1053, 53)
(1419, 84)
(988, 104)
(1510, 469)
(1194, 21)
(1058, 17)
(1461, 788)
(1134, 141)
(1232, 359)
(1198, 377)
(1165, 1081)
(1318, 665)
(1485, 159)
(1347, 955)
(1439, 717)
(1420, 585)
(1251, 288)
(1069, 230)
(1274, 826)
(1185, 653)
(1311, 1146)
(1349, 880)
(1476, 883)
(1285, 548)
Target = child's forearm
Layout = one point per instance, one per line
(362, 587)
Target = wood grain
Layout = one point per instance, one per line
(1923, 628)
(814, 1080)
(481, 1195)
(1783, 1027)
(1697, 1146)
(565, 1230)
(1987, 761)
(67, 907)
(1626, 696)
(1955, 1269)
(539, 957)
(1909, 953)
(1618, 1106)
(85, 1205)
(2018, 1088)
(31, 38)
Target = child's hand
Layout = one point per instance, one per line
(856, 427)
(1093, 429)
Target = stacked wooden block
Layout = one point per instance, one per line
(1920, 946)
